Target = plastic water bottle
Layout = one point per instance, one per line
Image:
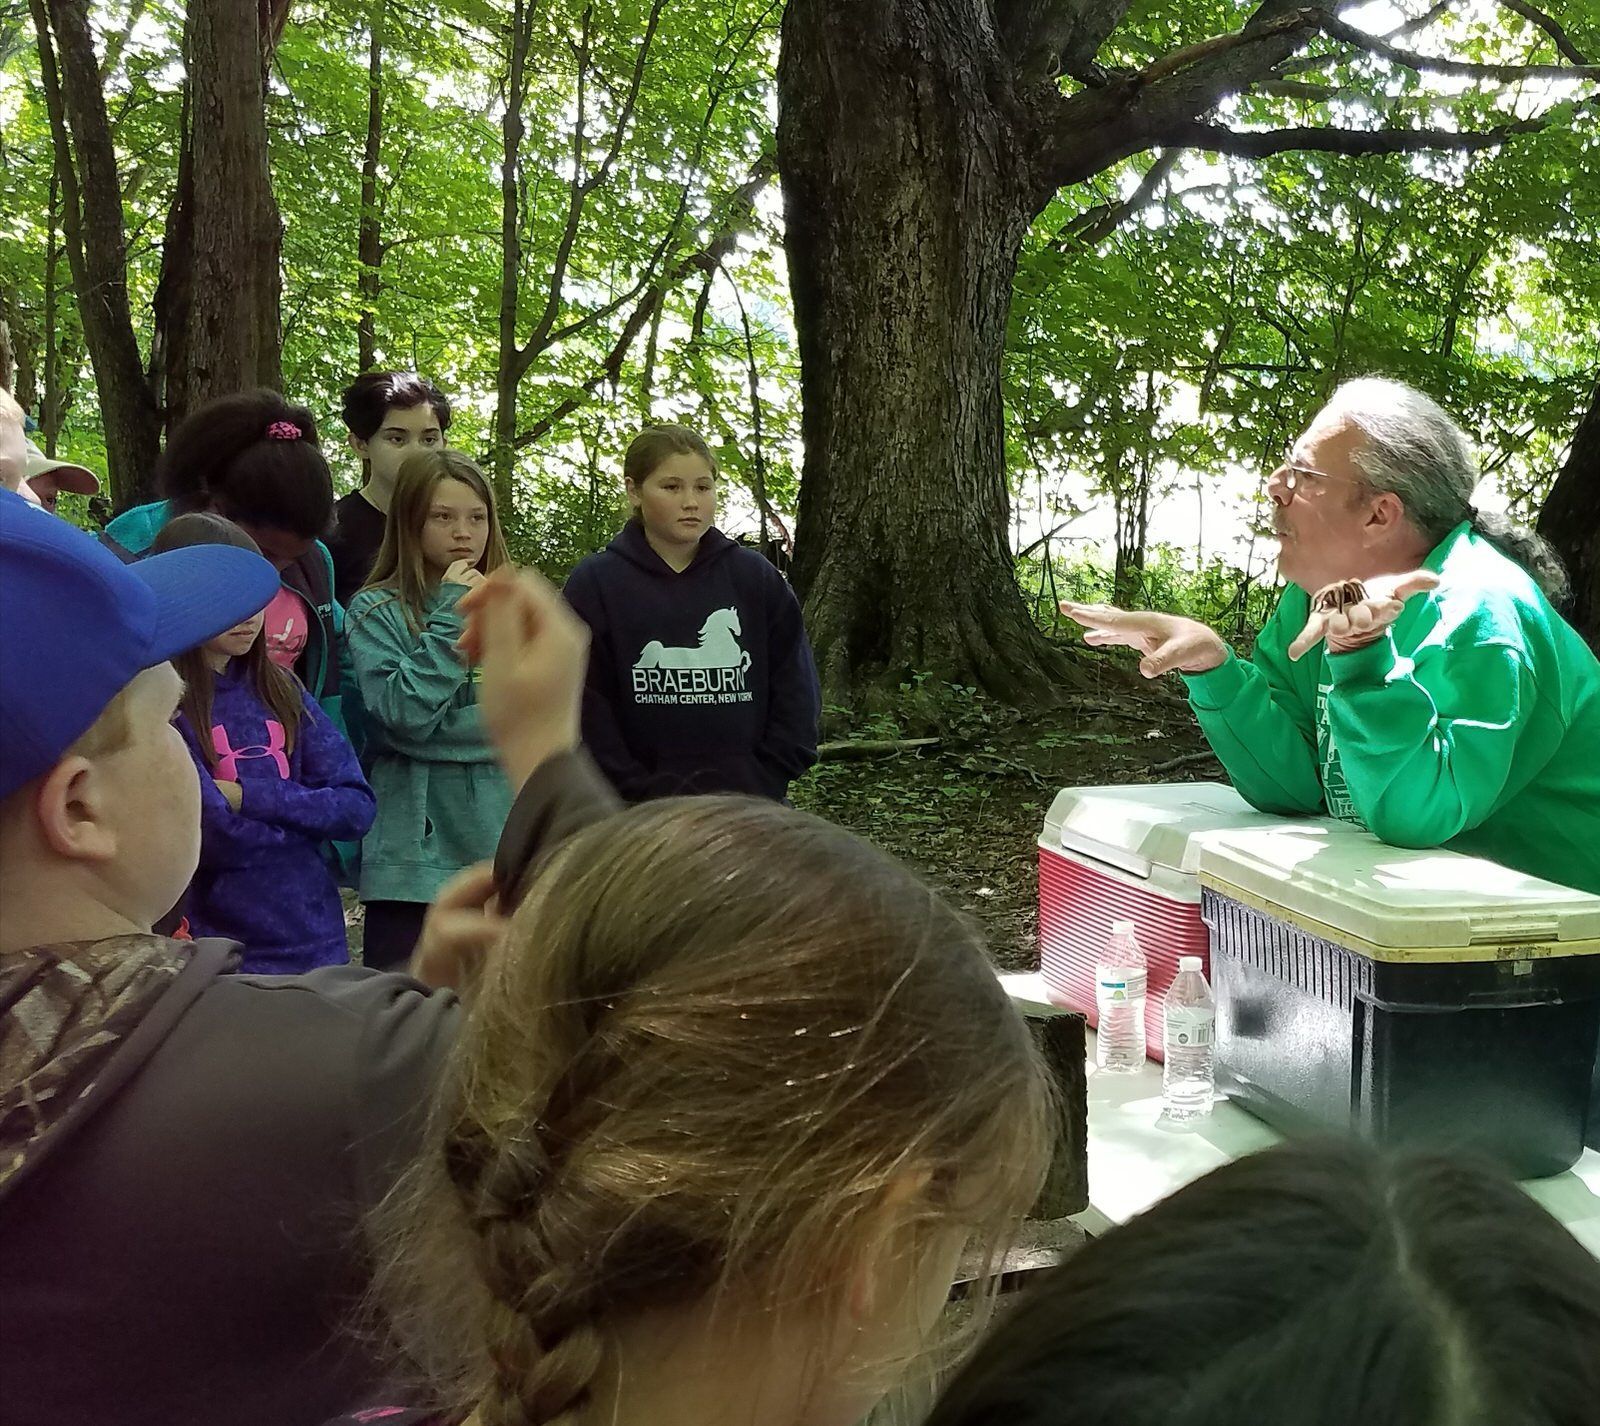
(1189, 1079)
(1119, 992)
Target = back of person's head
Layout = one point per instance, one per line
(729, 1057)
(99, 802)
(656, 444)
(254, 458)
(400, 565)
(374, 393)
(1411, 447)
(1311, 1285)
(277, 687)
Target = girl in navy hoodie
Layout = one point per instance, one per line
(700, 674)
(277, 780)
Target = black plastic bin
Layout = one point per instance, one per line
(1495, 1055)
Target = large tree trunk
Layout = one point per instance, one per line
(86, 165)
(906, 208)
(1570, 520)
(217, 304)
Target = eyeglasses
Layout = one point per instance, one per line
(1294, 476)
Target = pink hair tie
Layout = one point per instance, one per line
(283, 431)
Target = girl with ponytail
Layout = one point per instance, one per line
(254, 458)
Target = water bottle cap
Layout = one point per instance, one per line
(1122, 928)
(1188, 962)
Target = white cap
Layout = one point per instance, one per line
(1123, 928)
(1188, 962)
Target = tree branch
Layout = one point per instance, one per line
(1049, 37)
(1094, 224)
(1260, 143)
(1096, 128)
(1337, 29)
(625, 116)
(1549, 26)
(1400, 32)
(741, 207)
(1297, 89)
(1163, 104)
(718, 91)
(1190, 55)
(578, 194)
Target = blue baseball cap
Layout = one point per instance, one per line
(77, 625)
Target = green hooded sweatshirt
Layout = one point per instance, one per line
(1474, 723)
(442, 798)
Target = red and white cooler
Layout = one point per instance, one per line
(1109, 853)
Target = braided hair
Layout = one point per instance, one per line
(720, 1034)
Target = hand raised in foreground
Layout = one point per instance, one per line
(462, 926)
(232, 792)
(1354, 613)
(532, 651)
(1169, 644)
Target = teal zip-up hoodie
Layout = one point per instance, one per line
(442, 798)
(1474, 723)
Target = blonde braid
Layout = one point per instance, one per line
(545, 1284)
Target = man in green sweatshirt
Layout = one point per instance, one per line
(1446, 703)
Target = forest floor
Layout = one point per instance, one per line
(967, 814)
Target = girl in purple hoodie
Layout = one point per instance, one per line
(277, 781)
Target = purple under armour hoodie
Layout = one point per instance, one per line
(262, 880)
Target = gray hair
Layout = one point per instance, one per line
(1414, 450)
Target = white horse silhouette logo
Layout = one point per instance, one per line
(718, 647)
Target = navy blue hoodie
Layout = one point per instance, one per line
(700, 681)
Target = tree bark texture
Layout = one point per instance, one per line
(905, 208)
(1570, 520)
(218, 300)
(91, 194)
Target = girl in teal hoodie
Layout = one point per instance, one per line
(442, 799)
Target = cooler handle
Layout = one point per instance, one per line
(1513, 928)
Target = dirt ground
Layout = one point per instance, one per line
(968, 813)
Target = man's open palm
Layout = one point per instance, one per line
(1168, 644)
(1361, 621)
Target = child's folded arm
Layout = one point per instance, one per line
(330, 801)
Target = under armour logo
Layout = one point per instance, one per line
(228, 758)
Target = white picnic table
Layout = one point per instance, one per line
(1136, 1158)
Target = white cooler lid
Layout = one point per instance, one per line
(1143, 826)
(1390, 896)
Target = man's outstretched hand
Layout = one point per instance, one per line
(1168, 644)
(532, 651)
(1348, 626)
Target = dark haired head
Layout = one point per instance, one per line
(200, 527)
(373, 393)
(1311, 1285)
(253, 458)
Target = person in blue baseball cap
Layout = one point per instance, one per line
(186, 1152)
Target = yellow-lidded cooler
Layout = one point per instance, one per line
(1413, 996)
